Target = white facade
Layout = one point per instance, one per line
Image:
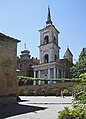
(50, 66)
(49, 70)
(49, 49)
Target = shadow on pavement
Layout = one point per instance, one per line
(8, 111)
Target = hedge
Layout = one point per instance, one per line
(52, 79)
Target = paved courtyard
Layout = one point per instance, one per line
(36, 107)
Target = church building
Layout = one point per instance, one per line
(25, 62)
(51, 66)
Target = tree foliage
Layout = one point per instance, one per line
(80, 90)
(77, 112)
(80, 66)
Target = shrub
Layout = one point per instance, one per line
(80, 90)
(66, 92)
(23, 78)
(53, 92)
(77, 112)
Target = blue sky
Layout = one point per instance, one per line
(22, 19)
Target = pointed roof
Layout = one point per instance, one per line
(68, 52)
(49, 17)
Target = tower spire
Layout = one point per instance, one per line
(25, 45)
(49, 17)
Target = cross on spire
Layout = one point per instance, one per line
(67, 46)
(25, 45)
(49, 17)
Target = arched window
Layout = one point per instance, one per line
(54, 39)
(46, 58)
(46, 39)
(55, 57)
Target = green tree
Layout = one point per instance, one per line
(80, 90)
(78, 111)
(80, 66)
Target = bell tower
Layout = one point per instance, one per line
(49, 49)
(51, 66)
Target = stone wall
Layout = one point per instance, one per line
(8, 82)
(46, 89)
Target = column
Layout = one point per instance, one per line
(39, 82)
(39, 74)
(54, 72)
(64, 74)
(61, 73)
(34, 82)
(50, 81)
(48, 73)
(57, 73)
(34, 74)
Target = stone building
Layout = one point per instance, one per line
(8, 61)
(25, 62)
(51, 66)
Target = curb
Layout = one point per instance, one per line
(49, 103)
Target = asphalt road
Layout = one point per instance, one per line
(36, 107)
